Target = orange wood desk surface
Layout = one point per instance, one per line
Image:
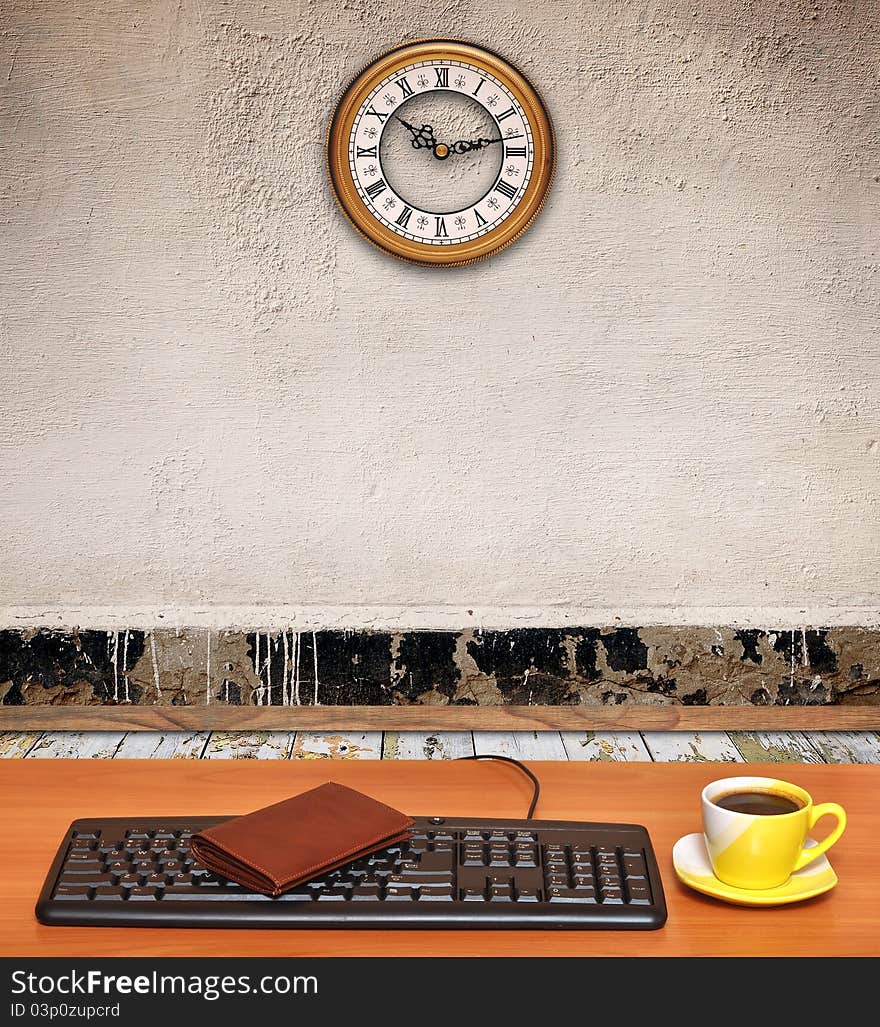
(40, 798)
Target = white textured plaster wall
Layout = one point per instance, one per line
(662, 404)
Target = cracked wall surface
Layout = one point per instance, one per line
(664, 400)
(609, 666)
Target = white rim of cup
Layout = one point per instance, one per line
(758, 784)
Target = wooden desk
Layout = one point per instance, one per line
(39, 799)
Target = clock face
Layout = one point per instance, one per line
(441, 153)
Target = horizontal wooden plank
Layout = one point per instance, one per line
(440, 718)
(520, 745)
(17, 744)
(606, 746)
(248, 745)
(437, 745)
(352, 745)
(162, 745)
(691, 747)
(76, 745)
(846, 746)
(775, 747)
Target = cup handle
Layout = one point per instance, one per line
(822, 810)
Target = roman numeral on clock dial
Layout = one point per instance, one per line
(442, 78)
(505, 188)
(376, 188)
(480, 219)
(381, 115)
(441, 229)
(405, 87)
(367, 151)
(505, 114)
(403, 220)
(514, 151)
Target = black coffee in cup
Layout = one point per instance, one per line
(758, 804)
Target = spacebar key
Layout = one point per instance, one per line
(196, 894)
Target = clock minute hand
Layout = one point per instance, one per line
(466, 145)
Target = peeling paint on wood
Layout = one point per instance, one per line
(440, 745)
(775, 747)
(846, 746)
(692, 747)
(17, 744)
(364, 746)
(242, 745)
(163, 745)
(77, 745)
(606, 746)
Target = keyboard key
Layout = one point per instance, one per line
(639, 893)
(634, 866)
(564, 895)
(142, 892)
(84, 866)
(556, 880)
(500, 892)
(612, 896)
(87, 834)
(80, 892)
(364, 892)
(436, 893)
(397, 892)
(528, 895)
(472, 895)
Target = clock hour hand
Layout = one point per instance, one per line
(466, 145)
(421, 137)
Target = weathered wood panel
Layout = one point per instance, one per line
(364, 745)
(521, 745)
(691, 747)
(775, 747)
(162, 745)
(244, 745)
(77, 745)
(846, 746)
(412, 745)
(606, 746)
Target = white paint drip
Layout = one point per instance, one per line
(285, 676)
(257, 667)
(268, 692)
(116, 666)
(297, 652)
(315, 654)
(125, 667)
(155, 664)
(208, 670)
(804, 658)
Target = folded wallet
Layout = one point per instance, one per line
(275, 848)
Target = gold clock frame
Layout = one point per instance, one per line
(428, 254)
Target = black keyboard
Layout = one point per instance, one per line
(452, 872)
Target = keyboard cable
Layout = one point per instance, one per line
(521, 767)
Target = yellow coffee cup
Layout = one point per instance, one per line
(755, 829)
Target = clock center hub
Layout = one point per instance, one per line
(441, 151)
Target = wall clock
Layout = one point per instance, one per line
(441, 153)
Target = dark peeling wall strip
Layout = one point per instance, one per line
(690, 666)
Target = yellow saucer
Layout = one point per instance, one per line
(691, 861)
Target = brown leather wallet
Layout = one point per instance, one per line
(275, 848)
